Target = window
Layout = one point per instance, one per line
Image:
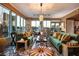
(35, 24)
(1, 13)
(22, 23)
(55, 26)
(13, 22)
(1, 19)
(9, 22)
(46, 24)
(52, 25)
(62, 26)
(18, 21)
(18, 24)
(5, 22)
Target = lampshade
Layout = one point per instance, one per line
(41, 17)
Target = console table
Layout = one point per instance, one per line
(66, 51)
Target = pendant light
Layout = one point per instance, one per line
(41, 17)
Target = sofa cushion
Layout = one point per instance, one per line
(56, 34)
(62, 37)
(59, 37)
(66, 38)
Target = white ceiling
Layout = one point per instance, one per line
(55, 10)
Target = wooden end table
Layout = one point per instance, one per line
(65, 49)
(21, 44)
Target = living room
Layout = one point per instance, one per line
(39, 29)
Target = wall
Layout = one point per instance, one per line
(64, 19)
(28, 24)
(70, 26)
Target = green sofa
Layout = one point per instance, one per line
(58, 43)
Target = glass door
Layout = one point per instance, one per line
(5, 22)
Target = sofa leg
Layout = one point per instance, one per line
(60, 49)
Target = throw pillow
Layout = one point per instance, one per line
(62, 37)
(66, 38)
(56, 34)
(59, 37)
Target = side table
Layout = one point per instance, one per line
(21, 44)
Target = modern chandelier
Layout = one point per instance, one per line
(41, 17)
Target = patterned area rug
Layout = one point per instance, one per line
(11, 50)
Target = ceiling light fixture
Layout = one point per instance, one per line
(41, 17)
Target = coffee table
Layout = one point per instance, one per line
(43, 40)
